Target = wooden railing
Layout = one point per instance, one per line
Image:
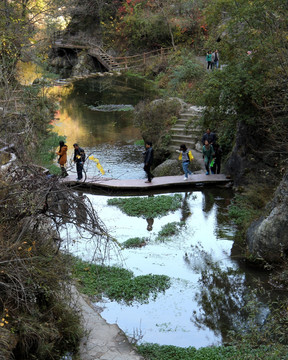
(134, 61)
(123, 62)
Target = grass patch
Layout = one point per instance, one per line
(140, 142)
(248, 206)
(117, 283)
(169, 230)
(148, 207)
(46, 152)
(134, 243)
(243, 352)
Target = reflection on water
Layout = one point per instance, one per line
(108, 135)
(180, 316)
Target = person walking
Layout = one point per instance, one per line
(216, 59)
(208, 154)
(210, 136)
(79, 159)
(186, 156)
(148, 160)
(62, 158)
(209, 60)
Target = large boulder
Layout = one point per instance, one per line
(252, 159)
(168, 168)
(267, 238)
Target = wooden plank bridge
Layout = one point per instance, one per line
(158, 184)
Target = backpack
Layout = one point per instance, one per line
(190, 155)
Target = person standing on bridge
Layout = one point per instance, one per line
(186, 156)
(148, 160)
(62, 158)
(208, 154)
(79, 159)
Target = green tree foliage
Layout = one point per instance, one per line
(154, 120)
(252, 87)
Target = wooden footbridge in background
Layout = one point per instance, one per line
(158, 184)
(110, 63)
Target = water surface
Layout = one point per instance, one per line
(168, 319)
(96, 113)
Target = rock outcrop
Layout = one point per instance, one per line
(168, 168)
(267, 238)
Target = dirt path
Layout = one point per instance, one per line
(102, 341)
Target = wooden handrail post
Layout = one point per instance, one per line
(126, 65)
(144, 58)
(161, 53)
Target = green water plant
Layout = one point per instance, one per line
(148, 207)
(169, 230)
(139, 142)
(117, 283)
(134, 243)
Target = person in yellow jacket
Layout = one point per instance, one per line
(62, 158)
(186, 156)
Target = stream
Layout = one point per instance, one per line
(210, 285)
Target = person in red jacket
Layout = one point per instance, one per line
(62, 158)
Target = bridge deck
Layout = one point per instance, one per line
(158, 183)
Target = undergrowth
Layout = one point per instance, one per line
(241, 352)
(46, 152)
(248, 206)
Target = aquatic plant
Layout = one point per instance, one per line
(118, 283)
(112, 107)
(169, 230)
(134, 242)
(148, 207)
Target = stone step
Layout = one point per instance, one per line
(183, 138)
(186, 132)
(189, 115)
(182, 121)
(177, 144)
(178, 127)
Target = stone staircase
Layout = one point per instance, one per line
(186, 131)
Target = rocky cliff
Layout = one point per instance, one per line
(267, 238)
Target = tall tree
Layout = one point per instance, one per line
(251, 91)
